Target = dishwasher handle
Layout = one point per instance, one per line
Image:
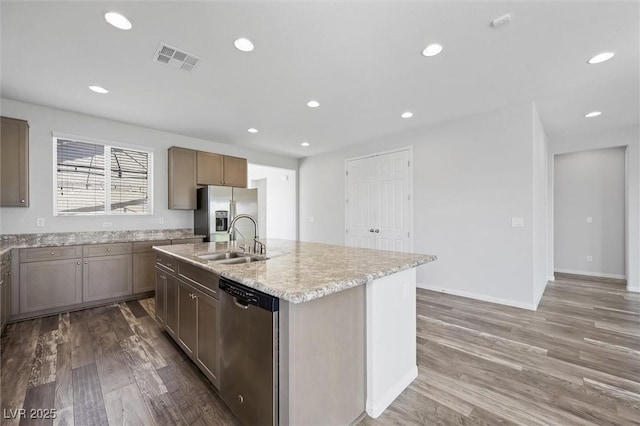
(240, 305)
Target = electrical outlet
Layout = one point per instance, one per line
(107, 224)
(589, 258)
(161, 220)
(311, 219)
(589, 219)
(40, 221)
(517, 221)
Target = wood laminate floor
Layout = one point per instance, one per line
(574, 361)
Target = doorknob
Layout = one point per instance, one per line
(377, 230)
(371, 230)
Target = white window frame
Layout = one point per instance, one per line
(107, 166)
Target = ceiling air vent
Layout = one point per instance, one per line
(176, 58)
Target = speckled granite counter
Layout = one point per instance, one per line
(10, 241)
(300, 271)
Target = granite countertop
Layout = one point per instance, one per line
(301, 271)
(56, 239)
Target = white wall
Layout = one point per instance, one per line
(541, 208)
(43, 121)
(281, 200)
(590, 184)
(471, 176)
(629, 137)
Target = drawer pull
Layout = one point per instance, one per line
(86, 263)
(52, 253)
(108, 249)
(78, 262)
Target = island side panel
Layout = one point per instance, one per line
(391, 338)
(322, 353)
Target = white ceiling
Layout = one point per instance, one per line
(361, 60)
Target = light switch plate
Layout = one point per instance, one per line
(161, 220)
(40, 221)
(589, 219)
(517, 221)
(589, 258)
(107, 224)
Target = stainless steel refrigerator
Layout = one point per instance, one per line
(216, 208)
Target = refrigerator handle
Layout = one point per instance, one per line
(232, 214)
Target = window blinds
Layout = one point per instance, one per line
(95, 179)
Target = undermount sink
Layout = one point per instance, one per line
(221, 256)
(230, 257)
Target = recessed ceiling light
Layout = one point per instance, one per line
(432, 50)
(313, 104)
(305, 144)
(99, 89)
(593, 114)
(501, 20)
(601, 57)
(243, 44)
(407, 114)
(117, 20)
(252, 130)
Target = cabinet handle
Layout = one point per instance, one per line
(9, 273)
(371, 230)
(22, 201)
(78, 262)
(86, 263)
(52, 253)
(108, 249)
(377, 231)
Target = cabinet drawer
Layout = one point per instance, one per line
(166, 262)
(144, 246)
(203, 280)
(106, 249)
(50, 253)
(187, 241)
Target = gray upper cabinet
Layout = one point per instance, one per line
(210, 168)
(182, 178)
(235, 171)
(14, 163)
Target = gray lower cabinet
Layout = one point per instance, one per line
(106, 276)
(50, 284)
(207, 326)
(187, 322)
(161, 297)
(171, 303)
(5, 290)
(144, 266)
(189, 311)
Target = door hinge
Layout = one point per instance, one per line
(346, 231)
(409, 197)
(346, 200)
(408, 234)
(409, 163)
(347, 173)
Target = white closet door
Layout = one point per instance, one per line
(361, 203)
(378, 205)
(393, 202)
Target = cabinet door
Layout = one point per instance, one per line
(207, 342)
(144, 271)
(210, 169)
(182, 178)
(161, 296)
(6, 295)
(171, 302)
(235, 172)
(106, 276)
(14, 163)
(51, 284)
(187, 312)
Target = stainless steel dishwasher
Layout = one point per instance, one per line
(249, 353)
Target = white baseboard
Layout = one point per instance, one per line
(633, 289)
(477, 296)
(551, 278)
(591, 274)
(375, 408)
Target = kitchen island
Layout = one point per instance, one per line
(347, 325)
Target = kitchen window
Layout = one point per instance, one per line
(100, 179)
